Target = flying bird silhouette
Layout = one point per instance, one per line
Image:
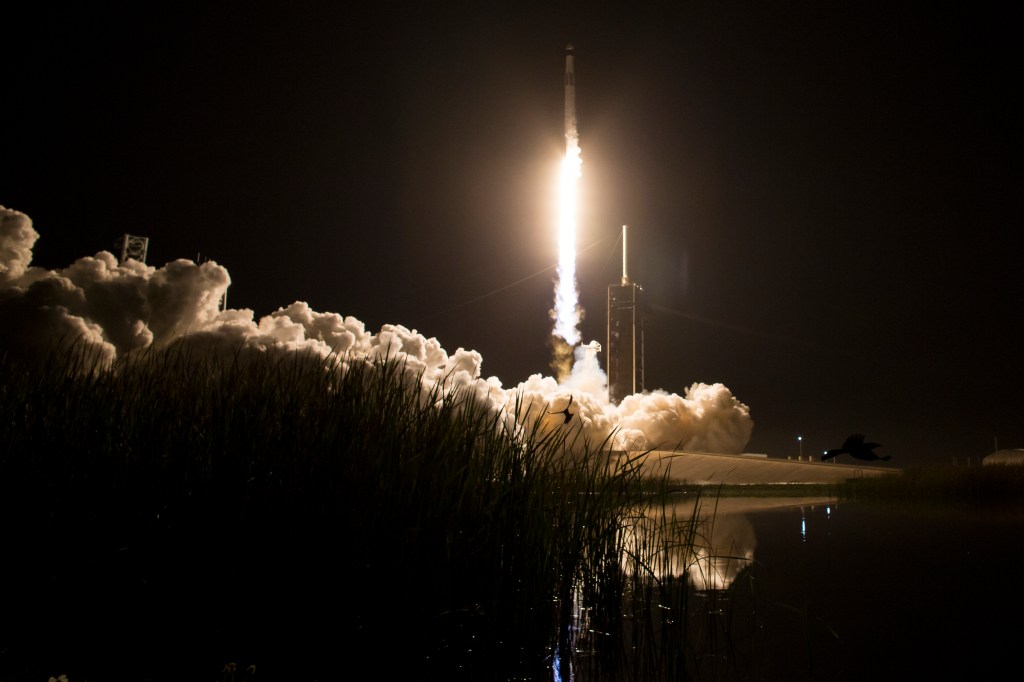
(855, 447)
(566, 412)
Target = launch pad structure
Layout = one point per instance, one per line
(624, 359)
(132, 246)
(626, 327)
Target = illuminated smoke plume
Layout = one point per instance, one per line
(115, 309)
(567, 312)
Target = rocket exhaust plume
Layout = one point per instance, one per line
(117, 310)
(567, 313)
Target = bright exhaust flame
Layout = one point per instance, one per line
(567, 311)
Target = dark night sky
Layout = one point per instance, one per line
(822, 197)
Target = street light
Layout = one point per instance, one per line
(800, 440)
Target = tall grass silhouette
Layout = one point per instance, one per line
(302, 517)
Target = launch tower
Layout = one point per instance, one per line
(132, 246)
(625, 349)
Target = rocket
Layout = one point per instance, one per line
(570, 98)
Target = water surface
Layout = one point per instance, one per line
(857, 591)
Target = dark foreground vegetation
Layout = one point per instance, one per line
(186, 515)
(184, 511)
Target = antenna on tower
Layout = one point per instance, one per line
(625, 256)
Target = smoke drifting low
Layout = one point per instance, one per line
(116, 309)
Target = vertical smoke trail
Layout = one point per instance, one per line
(566, 312)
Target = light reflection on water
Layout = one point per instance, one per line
(710, 551)
(868, 591)
(707, 542)
(850, 590)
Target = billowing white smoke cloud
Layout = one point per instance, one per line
(114, 309)
(16, 241)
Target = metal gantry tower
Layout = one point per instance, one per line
(132, 246)
(626, 317)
